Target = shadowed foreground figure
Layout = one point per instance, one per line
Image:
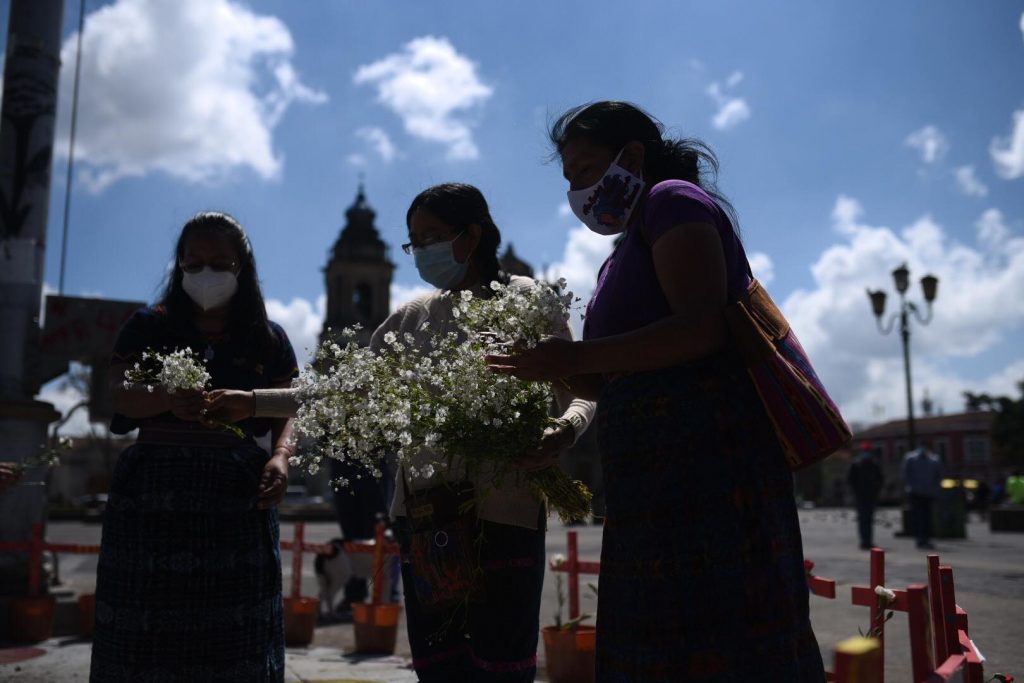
(702, 575)
(188, 585)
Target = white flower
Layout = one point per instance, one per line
(557, 560)
(887, 595)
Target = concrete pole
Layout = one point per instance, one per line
(31, 70)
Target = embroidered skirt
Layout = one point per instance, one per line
(188, 585)
(702, 575)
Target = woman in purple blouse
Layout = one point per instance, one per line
(702, 575)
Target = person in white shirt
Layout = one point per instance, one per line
(491, 635)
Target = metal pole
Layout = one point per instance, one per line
(31, 71)
(905, 336)
(71, 145)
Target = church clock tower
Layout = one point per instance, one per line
(358, 274)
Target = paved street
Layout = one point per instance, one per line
(988, 569)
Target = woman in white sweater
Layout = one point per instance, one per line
(457, 634)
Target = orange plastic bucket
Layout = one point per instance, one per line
(86, 614)
(31, 619)
(376, 627)
(569, 654)
(299, 620)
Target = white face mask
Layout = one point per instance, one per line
(605, 206)
(210, 288)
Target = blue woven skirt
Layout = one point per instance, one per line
(702, 575)
(188, 586)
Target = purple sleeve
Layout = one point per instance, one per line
(672, 202)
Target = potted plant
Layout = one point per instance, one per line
(569, 646)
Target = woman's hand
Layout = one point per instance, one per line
(186, 404)
(551, 359)
(229, 405)
(557, 438)
(274, 481)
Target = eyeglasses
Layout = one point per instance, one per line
(194, 267)
(409, 247)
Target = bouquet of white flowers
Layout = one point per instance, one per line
(180, 369)
(359, 405)
(47, 456)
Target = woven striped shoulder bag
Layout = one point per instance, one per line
(805, 418)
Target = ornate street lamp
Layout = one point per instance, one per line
(929, 287)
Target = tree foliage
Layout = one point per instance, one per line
(1008, 426)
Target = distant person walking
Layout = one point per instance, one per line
(865, 480)
(922, 476)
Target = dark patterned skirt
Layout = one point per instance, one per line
(188, 586)
(702, 575)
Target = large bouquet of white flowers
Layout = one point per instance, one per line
(358, 405)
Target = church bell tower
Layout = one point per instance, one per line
(358, 274)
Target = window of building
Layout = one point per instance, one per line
(976, 451)
(362, 299)
(941, 448)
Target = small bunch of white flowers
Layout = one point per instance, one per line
(178, 369)
(48, 456)
(886, 597)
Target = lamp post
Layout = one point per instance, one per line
(929, 287)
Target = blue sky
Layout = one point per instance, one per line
(852, 136)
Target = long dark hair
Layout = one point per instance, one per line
(248, 312)
(612, 124)
(460, 205)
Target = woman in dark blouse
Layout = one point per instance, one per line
(702, 575)
(188, 584)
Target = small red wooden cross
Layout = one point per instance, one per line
(819, 585)
(379, 547)
(865, 596)
(35, 547)
(574, 567)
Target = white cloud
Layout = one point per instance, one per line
(992, 230)
(432, 88)
(1008, 153)
(732, 111)
(582, 257)
(64, 398)
(978, 306)
(193, 89)
(969, 183)
(302, 320)
(356, 159)
(564, 210)
(763, 267)
(929, 142)
(380, 141)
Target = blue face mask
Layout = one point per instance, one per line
(437, 265)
